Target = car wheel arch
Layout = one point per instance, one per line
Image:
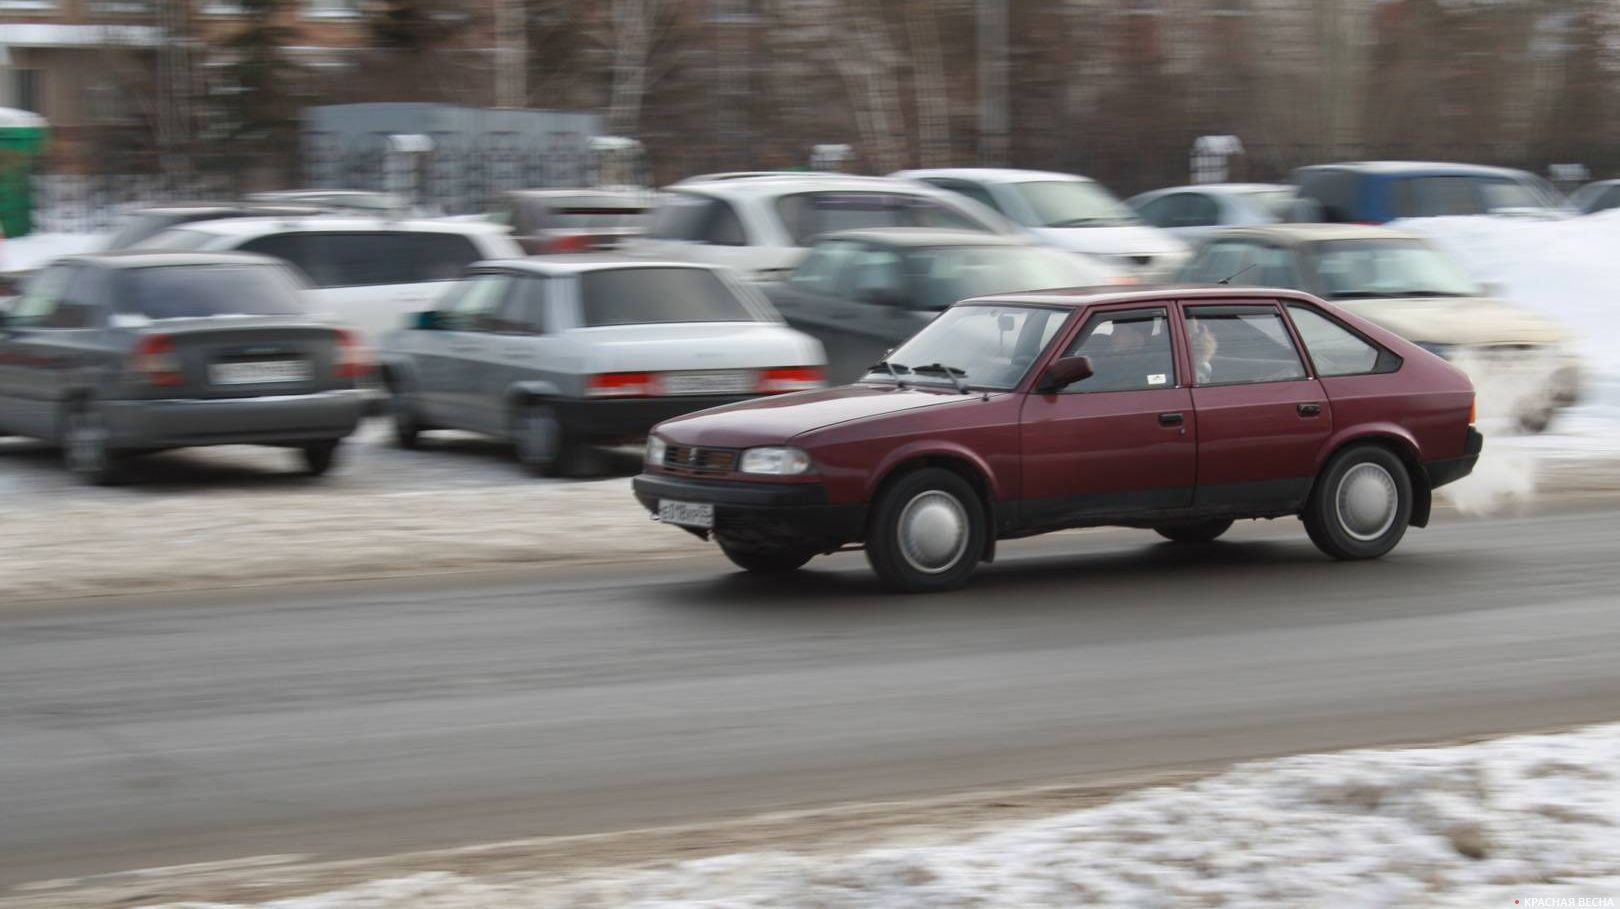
(522, 393)
(964, 466)
(1402, 447)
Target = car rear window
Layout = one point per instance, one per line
(370, 258)
(195, 291)
(641, 296)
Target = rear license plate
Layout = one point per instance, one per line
(686, 514)
(263, 372)
(727, 382)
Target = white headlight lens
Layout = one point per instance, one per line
(782, 462)
(655, 450)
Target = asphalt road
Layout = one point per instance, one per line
(366, 720)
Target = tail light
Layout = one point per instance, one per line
(1473, 411)
(569, 243)
(790, 378)
(622, 385)
(353, 360)
(155, 360)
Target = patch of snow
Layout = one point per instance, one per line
(31, 251)
(1530, 818)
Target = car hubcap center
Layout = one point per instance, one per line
(933, 531)
(1368, 501)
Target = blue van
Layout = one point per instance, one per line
(1374, 192)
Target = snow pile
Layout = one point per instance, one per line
(1532, 818)
(34, 250)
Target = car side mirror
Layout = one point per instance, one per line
(427, 321)
(1065, 371)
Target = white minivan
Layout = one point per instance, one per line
(368, 272)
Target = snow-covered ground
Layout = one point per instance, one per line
(33, 250)
(1528, 820)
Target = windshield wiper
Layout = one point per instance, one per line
(891, 368)
(954, 373)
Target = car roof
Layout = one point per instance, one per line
(1076, 297)
(785, 184)
(1314, 233)
(141, 258)
(236, 227)
(728, 175)
(561, 265)
(1221, 189)
(1439, 168)
(924, 237)
(990, 175)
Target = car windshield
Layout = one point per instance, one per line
(1348, 269)
(945, 274)
(984, 345)
(1073, 203)
(643, 296)
(198, 291)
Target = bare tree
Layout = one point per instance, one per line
(638, 37)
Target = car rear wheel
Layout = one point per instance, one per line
(87, 447)
(543, 445)
(766, 560)
(1194, 531)
(1361, 505)
(319, 457)
(927, 532)
(407, 425)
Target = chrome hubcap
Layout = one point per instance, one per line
(933, 531)
(86, 443)
(1368, 500)
(538, 440)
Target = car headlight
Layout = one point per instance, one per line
(656, 448)
(1443, 351)
(782, 462)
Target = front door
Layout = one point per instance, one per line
(1123, 442)
(1261, 419)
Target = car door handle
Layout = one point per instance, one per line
(1171, 419)
(1309, 410)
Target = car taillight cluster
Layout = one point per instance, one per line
(569, 243)
(353, 359)
(156, 361)
(790, 378)
(622, 385)
(650, 384)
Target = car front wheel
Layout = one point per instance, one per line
(87, 447)
(542, 442)
(1195, 531)
(1361, 505)
(927, 532)
(766, 560)
(319, 457)
(407, 425)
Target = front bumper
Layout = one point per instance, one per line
(761, 514)
(625, 418)
(268, 420)
(1449, 470)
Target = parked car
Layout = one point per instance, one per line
(1375, 192)
(574, 220)
(1601, 195)
(763, 225)
(1180, 410)
(1403, 283)
(148, 221)
(558, 353)
(1192, 212)
(118, 354)
(369, 272)
(863, 292)
(1068, 211)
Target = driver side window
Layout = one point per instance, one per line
(1130, 351)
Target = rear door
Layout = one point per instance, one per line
(1261, 418)
(1120, 443)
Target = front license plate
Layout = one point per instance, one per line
(686, 514)
(263, 372)
(727, 382)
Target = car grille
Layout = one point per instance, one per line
(703, 460)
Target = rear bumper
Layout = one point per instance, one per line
(269, 420)
(616, 418)
(1448, 470)
(761, 514)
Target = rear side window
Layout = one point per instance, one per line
(1336, 350)
(807, 215)
(1235, 345)
(641, 296)
(1333, 190)
(196, 291)
(681, 216)
(360, 259)
(440, 257)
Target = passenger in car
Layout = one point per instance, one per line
(1204, 347)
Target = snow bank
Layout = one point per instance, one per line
(1534, 819)
(33, 250)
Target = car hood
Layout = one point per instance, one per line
(1119, 240)
(1457, 320)
(776, 420)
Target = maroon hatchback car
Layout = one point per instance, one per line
(1175, 409)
